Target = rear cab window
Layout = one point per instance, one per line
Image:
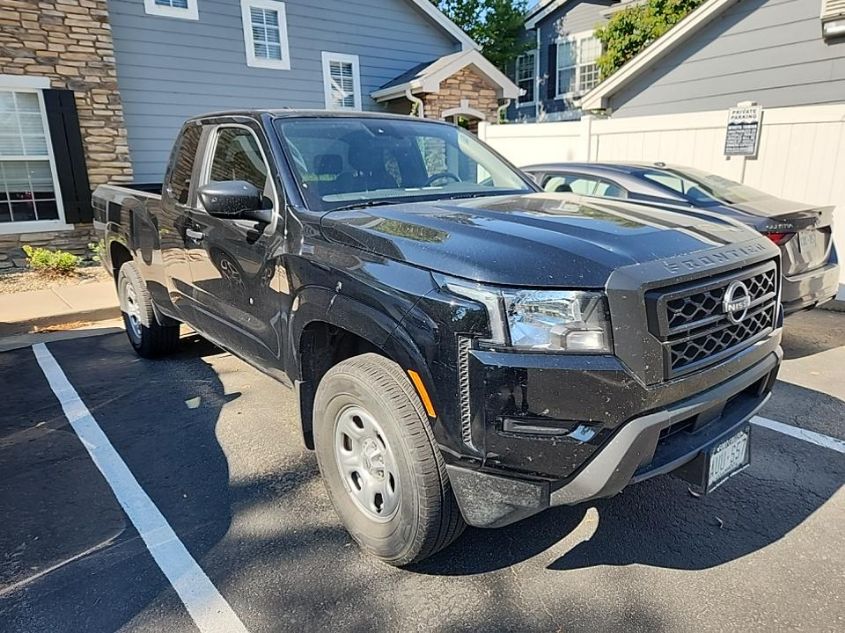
(181, 167)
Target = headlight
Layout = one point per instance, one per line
(553, 320)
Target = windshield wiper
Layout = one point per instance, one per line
(482, 194)
(363, 204)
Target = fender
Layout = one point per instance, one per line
(371, 324)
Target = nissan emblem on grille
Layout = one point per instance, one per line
(702, 322)
(736, 301)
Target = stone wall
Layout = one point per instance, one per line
(467, 85)
(69, 41)
(76, 241)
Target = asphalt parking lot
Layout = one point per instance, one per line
(229, 474)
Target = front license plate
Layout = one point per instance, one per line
(728, 458)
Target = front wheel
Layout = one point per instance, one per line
(148, 337)
(381, 466)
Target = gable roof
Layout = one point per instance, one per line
(598, 97)
(428, 76)
(543, 9)
(428, 7)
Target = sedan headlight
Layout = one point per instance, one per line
(545, 320)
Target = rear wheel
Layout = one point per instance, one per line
(148, 337)
(382, 469)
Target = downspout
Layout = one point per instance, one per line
(500, 110)
(537, 75)
(417, 101)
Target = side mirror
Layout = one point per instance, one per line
(234, 200)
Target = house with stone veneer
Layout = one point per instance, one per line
(95, 91)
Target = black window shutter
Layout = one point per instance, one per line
(71, 170)
(551, 82)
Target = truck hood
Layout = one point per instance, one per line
(537, 240)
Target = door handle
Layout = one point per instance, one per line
(194, 235)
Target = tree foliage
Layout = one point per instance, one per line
(497, 26)
(631, 30)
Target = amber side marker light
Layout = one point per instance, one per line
(420, 387)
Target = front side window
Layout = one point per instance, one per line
(27, 188)
(184, 9)
(577, 71)
(525, 65)
(237, 156)
(341, 81)
(265, 34)
(341, 162)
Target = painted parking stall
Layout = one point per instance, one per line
(231, 480)
(210, 612)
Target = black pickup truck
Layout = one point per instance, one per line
(465, 348)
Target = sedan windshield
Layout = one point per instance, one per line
(348, 162)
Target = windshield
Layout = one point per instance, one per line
(703, 188)
(346, 162)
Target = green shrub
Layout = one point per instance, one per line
(97, 248)
(631, 30)
(59, 263)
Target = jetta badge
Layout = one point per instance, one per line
(736, 301)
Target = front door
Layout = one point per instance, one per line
(239, 283)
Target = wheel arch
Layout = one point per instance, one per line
(330, 328)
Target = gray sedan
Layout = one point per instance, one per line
(802, 231)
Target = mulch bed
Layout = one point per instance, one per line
(27, 280)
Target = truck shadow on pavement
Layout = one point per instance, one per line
(660, 523)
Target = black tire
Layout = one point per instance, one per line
(148, 337)
(427, 518)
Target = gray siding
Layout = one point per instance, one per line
(769, 51)
(572, 17)
(170, 69)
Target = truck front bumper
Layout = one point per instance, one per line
(651, 444)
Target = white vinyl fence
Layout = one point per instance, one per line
(801, 154)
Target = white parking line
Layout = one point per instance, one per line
(209, 610)
(802, 434)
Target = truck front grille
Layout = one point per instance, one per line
(702, 323)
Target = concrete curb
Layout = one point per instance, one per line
(30, 311)
(52, 320)
(98, 328)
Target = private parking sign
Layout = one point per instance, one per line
(742, 136)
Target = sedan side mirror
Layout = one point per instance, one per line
(234, 200)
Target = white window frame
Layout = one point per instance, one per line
(343, 58)
(190, 13)
(573, 39)
(533, 53)
(249, 43)
(36, 85)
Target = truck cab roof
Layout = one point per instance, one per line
(289, 113)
